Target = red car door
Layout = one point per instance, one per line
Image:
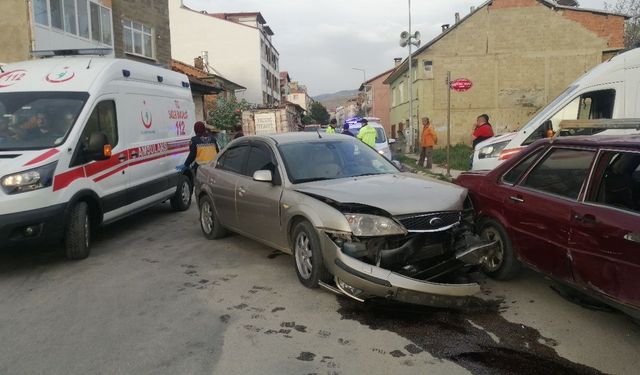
(539, 210)
(605, 235)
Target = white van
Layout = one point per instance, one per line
(85, 141)
(610, 90)
(382, 142)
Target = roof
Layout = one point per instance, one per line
(549, 3)
(628, 141)
(226, 16)
(295, 137)
(375, 78)
(205, 77)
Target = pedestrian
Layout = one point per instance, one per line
(239, 132)
(483, 130)
(345, 130)
(331, 129)
(428, 140)
(203, 148)
(367, 134)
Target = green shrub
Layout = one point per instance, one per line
(460, 155)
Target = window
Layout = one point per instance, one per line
(138, 39)
(259, 159)
(56, 13)
(401, 89)
(83, 19)
(40, 12)
(562, 172)
(103, 119)
(70, 25)
(233, 158)
(105, 23)
(96, 30)
(620, 184)
(516, 172)
(394, 100)
(588, 106)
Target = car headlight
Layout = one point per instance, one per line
(381, 152)
(32, 179)
(493, 150)
(373, 225)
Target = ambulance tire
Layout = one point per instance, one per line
(77, 239)
(181, 201)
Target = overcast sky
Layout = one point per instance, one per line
(321, 40)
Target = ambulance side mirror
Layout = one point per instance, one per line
(98, 147)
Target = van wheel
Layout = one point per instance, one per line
(78, 232)
(502, 264)
(181, 201)
(209, 222)
(307, 256)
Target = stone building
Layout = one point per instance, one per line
(376, 100)
(518, 54)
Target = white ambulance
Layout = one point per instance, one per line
(609, 91)
(85, 141)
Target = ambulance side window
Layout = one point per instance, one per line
(102, 119)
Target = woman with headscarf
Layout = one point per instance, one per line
(203, 148)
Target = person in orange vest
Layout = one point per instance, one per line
(428, 140)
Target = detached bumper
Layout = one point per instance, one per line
(362, 281)
(32, 227)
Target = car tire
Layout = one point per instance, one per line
(77, 239)
(181, 200)
(503, 265)
(307, 256)
(209, 222)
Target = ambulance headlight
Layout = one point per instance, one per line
(32, 179)
(492, 151)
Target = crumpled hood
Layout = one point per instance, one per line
(398, 194)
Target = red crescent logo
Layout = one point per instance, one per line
(146, 124)
(60, 76)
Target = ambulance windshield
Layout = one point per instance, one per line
(37, 120)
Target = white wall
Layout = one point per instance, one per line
(234, 50)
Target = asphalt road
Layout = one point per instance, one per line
(156, 297)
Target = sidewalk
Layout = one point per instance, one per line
(436, 170)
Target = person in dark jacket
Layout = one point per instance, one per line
(203, 148)
(345, 130)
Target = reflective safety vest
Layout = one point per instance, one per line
(368, 135)
(202, 150)
(330, 130)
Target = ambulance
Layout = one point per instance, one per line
(85, 141)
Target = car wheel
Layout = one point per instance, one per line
(77, 237)
(502, 264)
(307, 256)
(209, 222)
(181, 201)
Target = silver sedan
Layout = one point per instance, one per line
(353, 221)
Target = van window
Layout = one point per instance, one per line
(102, 119)
(37, 120)
(588, 106)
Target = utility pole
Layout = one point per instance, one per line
(448, 124)
(411, 135)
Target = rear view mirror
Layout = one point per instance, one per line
(263, 176)
(98, 147)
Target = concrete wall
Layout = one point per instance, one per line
(151, 13)
(234, 50)
(15, 32)
(519, 55)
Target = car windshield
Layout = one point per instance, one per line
(37, 120)
(332, 159)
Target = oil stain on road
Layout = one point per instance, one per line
(478, 339)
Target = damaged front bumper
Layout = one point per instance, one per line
(361, 281)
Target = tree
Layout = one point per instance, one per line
(630, 8)
(319, 113)
(308, 120)
(228, 113)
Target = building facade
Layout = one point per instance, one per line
(298, 95)
(518, 55)
(376, 99)
(239, 45)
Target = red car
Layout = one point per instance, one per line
(570, 208)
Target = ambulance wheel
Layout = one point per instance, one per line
(78, 232)
(209, 223)
(181, 201)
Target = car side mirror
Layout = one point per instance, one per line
(263, 176)
(98, 147)
(392, 141)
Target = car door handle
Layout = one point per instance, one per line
(633, 237)
(241, 191)
(517, 199)
(584, 219)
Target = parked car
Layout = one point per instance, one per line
(382, 141)
(570, 208)
(354, 223)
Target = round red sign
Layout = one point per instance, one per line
(461, 84)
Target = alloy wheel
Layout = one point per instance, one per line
(303, 255)
(186, 192)
(495, 259)
(206, 217)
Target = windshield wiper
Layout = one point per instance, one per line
(369, 174)
(303, 180)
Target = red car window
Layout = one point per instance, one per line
(514, 174)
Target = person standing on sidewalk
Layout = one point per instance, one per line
(331, 129)
(367, 134)
(428, 140)
(483, 130)
(203, 148)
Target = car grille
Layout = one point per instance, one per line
(430, 222)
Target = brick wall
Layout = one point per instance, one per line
(519, 55)
(605, 26)
(152, 13)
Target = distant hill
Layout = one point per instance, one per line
(331, 101)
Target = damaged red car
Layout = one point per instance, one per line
(568, 207)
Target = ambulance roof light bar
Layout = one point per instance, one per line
(620, 123)
(73, 52)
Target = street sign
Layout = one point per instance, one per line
(461, 84)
